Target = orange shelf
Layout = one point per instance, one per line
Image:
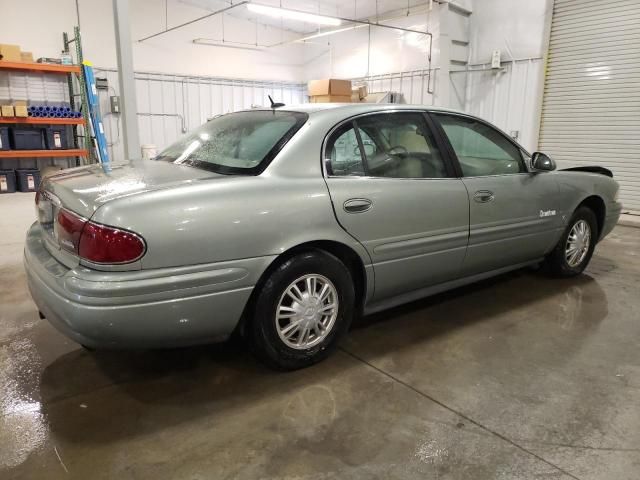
(43, 120)
(75, 152)
(39, 67)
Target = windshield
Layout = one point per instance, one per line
(241, 142)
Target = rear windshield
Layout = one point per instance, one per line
(241, 142)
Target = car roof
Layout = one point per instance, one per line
(337, 112)
(350, 109)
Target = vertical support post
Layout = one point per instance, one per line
(542, 78)
(72, 103)
(443, 80)
(86, 131)
(126, 80)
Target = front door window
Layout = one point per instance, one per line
(481, 149)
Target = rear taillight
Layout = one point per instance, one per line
(97, 243)
(102, 244)
(68, 228)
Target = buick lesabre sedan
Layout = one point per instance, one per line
(283, 224)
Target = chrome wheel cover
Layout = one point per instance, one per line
(578, 243)
(307, 311)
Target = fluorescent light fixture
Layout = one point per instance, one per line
(292, 14)
(329, 32)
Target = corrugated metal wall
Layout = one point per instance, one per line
(169, 105)
(591, 106)
(414, 85)
(508, 98)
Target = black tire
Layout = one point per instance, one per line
(556, 262)
(263, 334)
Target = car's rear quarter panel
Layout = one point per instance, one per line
(236, 217)
(225, 219)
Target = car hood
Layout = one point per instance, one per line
(84, 189)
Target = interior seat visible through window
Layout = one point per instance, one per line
(394, 145)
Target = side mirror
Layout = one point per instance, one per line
(542, 162)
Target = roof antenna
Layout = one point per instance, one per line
(275, 104)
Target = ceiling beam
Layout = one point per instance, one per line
(217, 12)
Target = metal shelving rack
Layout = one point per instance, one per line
(81, 150)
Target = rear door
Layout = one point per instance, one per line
(393, 190)
(514, 213)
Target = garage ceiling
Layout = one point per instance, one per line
(358, 9)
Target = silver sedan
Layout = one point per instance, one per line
(283, 224)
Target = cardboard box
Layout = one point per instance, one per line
(330, 99)
(329, 86)
(7, 111)
(10, 53)
(20, 108)
(26, 56)
(360, 91)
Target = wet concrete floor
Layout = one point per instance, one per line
(518, 377)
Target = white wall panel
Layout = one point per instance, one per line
(374, 51)
(508, 98)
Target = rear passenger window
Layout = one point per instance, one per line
(404, 147)
(391, 145)
(343, 152)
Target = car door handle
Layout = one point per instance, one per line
(357, 205)
(483, 196)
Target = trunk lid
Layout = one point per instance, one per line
(83, 190)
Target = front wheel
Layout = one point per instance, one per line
(574, 250)
(302, 310)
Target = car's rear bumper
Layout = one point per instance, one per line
(140, 309)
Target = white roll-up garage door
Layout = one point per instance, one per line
(591, 105)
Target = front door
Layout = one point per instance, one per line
(394, 192)
(514, 213)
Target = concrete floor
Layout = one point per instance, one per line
(517, 377)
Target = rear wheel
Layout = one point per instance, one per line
(302, 310)
(574, 249)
